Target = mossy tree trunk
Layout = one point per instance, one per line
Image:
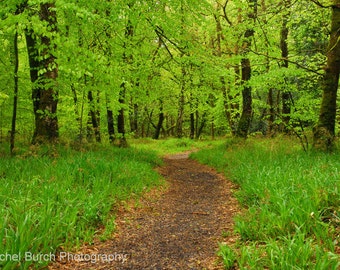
(44, 73)
(324, 132)
(247, 109)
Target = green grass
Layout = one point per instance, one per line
(172, 145)
(54, 198)
(291, 203)
(57, 198)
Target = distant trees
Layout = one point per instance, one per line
(104, 70)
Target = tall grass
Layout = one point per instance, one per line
(291, 204)
(58, 198)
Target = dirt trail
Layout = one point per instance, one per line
(177, 228)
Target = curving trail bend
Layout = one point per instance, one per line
(179, 227)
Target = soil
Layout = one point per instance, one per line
(177, 227)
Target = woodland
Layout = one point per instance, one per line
(94, 94)
(107, 70)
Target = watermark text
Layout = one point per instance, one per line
(65, 257)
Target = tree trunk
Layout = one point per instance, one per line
(77, 113)
(212, 129)
(94, 116)
(134, 117)
(181, 102)
(247, 110)
(229, 107)
(192, 117)
(180, 116)
(110, 122)
(110, 125)
(121, 120)
(271, 118)
(44, 73)
(201, 126)
(192, 125)
(128, 59)
(324, 131)
(15, 96)
(245, 119)
(286, 95)
(160, 121)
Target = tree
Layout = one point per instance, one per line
(44, 73)
(286, 95)
(15, 94)
(324, 131)
(128, 59)
(244, 123)
(174, 67)
(93, 117)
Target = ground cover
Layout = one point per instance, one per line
(54, 198)
(291, 202)
(110, 200)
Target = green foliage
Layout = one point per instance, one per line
(291, 199)
(173, 44)
(54, 198)
(228, 256)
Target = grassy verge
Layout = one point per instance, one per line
(58, 198)
(291, 204)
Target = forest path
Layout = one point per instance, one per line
(175, 228)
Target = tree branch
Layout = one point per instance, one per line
(290, 61)
(224, 7)
(159, 31)
(317, 2)
(160, 34)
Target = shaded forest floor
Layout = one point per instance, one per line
(178, 227)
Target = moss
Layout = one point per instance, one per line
(323, 139)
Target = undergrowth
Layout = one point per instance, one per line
(291, 200)
(54, 198)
